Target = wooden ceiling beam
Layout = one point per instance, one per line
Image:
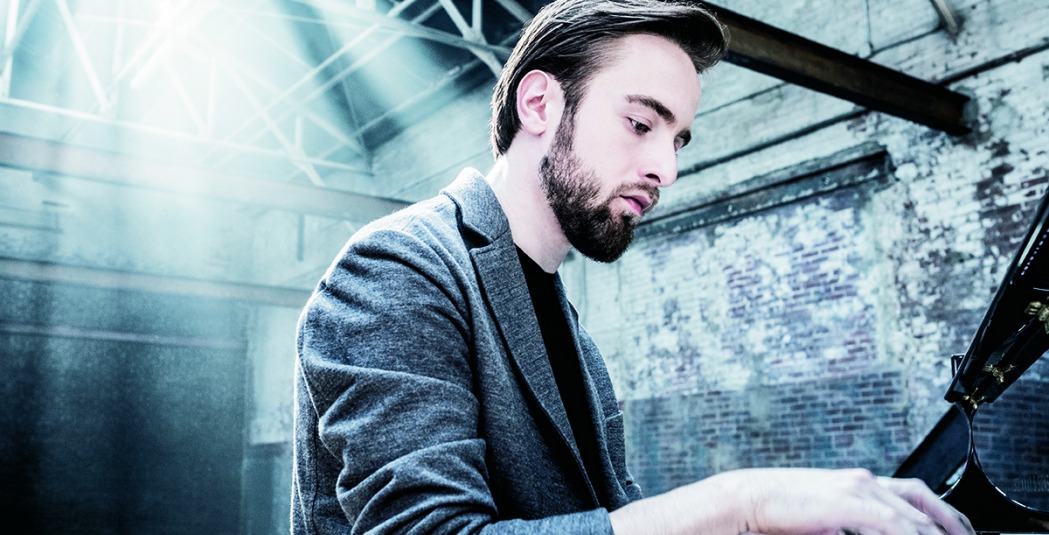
(763, 48)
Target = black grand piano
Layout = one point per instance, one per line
(989, 455)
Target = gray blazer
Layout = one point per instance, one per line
(425, 402)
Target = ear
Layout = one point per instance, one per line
(540, 102)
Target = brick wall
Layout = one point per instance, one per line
(846, 420)
(755, 341)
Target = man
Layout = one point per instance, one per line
(444, 383)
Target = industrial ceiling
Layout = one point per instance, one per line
(286, 90)
(221, 97)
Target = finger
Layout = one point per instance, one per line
(883, 513)
(868, 531)
(963, 520)
(894, 515)
(914, 519)
(866, 506)
(857, 531)
(918, 495)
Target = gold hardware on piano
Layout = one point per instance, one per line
(973, 400)
(1041, 311)
(998, 373)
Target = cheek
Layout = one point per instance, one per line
(606, 151)
(613, 164)
(605, 147)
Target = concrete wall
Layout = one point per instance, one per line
(121, 411)
(816, 331)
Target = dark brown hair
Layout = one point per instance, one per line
(571, 40)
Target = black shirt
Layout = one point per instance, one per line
(564, 359)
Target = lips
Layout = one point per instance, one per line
(639, 202)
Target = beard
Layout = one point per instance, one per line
(573, 191)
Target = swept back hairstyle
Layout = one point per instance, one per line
(571, 40)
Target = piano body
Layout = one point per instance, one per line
(1001, 432)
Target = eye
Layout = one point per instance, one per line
(681, 140)
(638, 127)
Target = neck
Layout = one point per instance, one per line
(532, 222)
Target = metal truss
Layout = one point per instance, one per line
(290, 118)
(301, 114)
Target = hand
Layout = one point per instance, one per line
(833, 501)
(794, 501)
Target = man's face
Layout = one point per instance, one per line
(608, 158)
(584, 213)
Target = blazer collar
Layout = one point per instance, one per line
(479, 208)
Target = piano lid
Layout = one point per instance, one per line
(1015, 330)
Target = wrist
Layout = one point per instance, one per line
(716, 505)
(734, 502)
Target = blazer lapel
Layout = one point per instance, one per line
(502, 279)
(504, 284)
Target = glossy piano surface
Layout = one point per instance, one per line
(1004, 485)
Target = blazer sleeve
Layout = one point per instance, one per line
(385, 356)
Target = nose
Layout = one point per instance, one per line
(660, 165)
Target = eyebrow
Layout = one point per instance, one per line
(662, 111)
(654, 105)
